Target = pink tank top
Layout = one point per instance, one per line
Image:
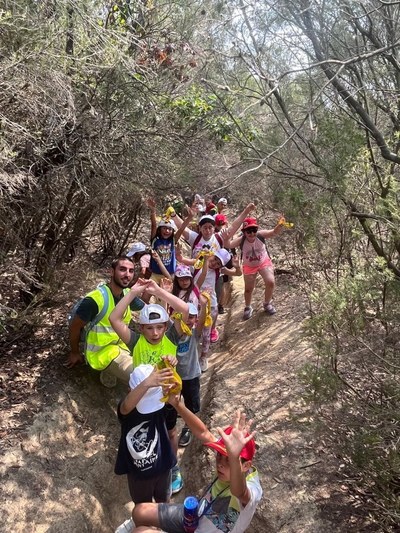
(254, 254)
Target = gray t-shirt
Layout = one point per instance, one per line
(188, 356)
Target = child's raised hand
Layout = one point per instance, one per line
(250, 207)
(224, 234)
(151, 204)
(171, 359)
(190, 212)
(151, 286)
(166, 284)
(141, 284)
(239, 436)
(236, 261)
(159, 378)
(173, 398)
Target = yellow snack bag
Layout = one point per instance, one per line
(287, 225)
(200, 259)
(176, 379)
(184, 327)
(208, 320)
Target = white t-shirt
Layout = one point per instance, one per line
(230, 516)
(213, 245)
(209, 283)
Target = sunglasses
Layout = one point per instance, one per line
(251, 230)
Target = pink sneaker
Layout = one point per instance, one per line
(214, 335)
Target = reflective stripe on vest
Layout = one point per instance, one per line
(146, 353)
(102, 343)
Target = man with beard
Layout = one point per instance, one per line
(102, 348)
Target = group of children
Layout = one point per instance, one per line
(179, 289)
(168, 363)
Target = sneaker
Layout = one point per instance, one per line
(177, 482)
(248, 311)
(214, 336)
(185, 438)
(127, 527)
(269, 308)
(107, 380)
(203, 364)
(221, 309)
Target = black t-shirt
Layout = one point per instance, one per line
(88, 309)
(144, 447)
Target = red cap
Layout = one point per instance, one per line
(250, 222)
(247, 452)
(220, 219)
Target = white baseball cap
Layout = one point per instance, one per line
(223, 255)
(222, 201)
(166, 224)
(193, 309)
(136, 248)
(151, 400)
(153, 314)
(207, 218)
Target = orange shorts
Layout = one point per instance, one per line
(247, 269)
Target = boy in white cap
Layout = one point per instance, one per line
(158, 339)
(188, 366)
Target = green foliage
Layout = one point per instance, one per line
(200, 110)
(338, 142)
(321, 384)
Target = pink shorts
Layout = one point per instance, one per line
(247, 269)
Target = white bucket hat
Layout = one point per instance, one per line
(151, 401)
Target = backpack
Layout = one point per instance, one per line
(100, 315)
(262, 239)
(200, 236)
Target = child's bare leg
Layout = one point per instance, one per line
(268, 277)
(249, 284)
(173, 437)
(145, 514)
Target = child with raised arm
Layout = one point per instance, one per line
(221, 262)
(158, 338)
(228, 503)
(256, 260)
(145, 453)
(163, 242)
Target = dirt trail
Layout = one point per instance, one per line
(59, 450)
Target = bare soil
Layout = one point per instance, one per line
(60, 432)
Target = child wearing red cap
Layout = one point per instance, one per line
(229, 502)
(256, 260)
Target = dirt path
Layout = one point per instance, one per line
(60, 431)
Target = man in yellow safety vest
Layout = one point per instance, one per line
(103, 350)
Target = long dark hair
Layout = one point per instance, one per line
(158, 234)
(176, 289)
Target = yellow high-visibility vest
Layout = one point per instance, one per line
(102, 343)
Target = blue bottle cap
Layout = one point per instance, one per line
(190, 502)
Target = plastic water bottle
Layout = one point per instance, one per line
(190, 514)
